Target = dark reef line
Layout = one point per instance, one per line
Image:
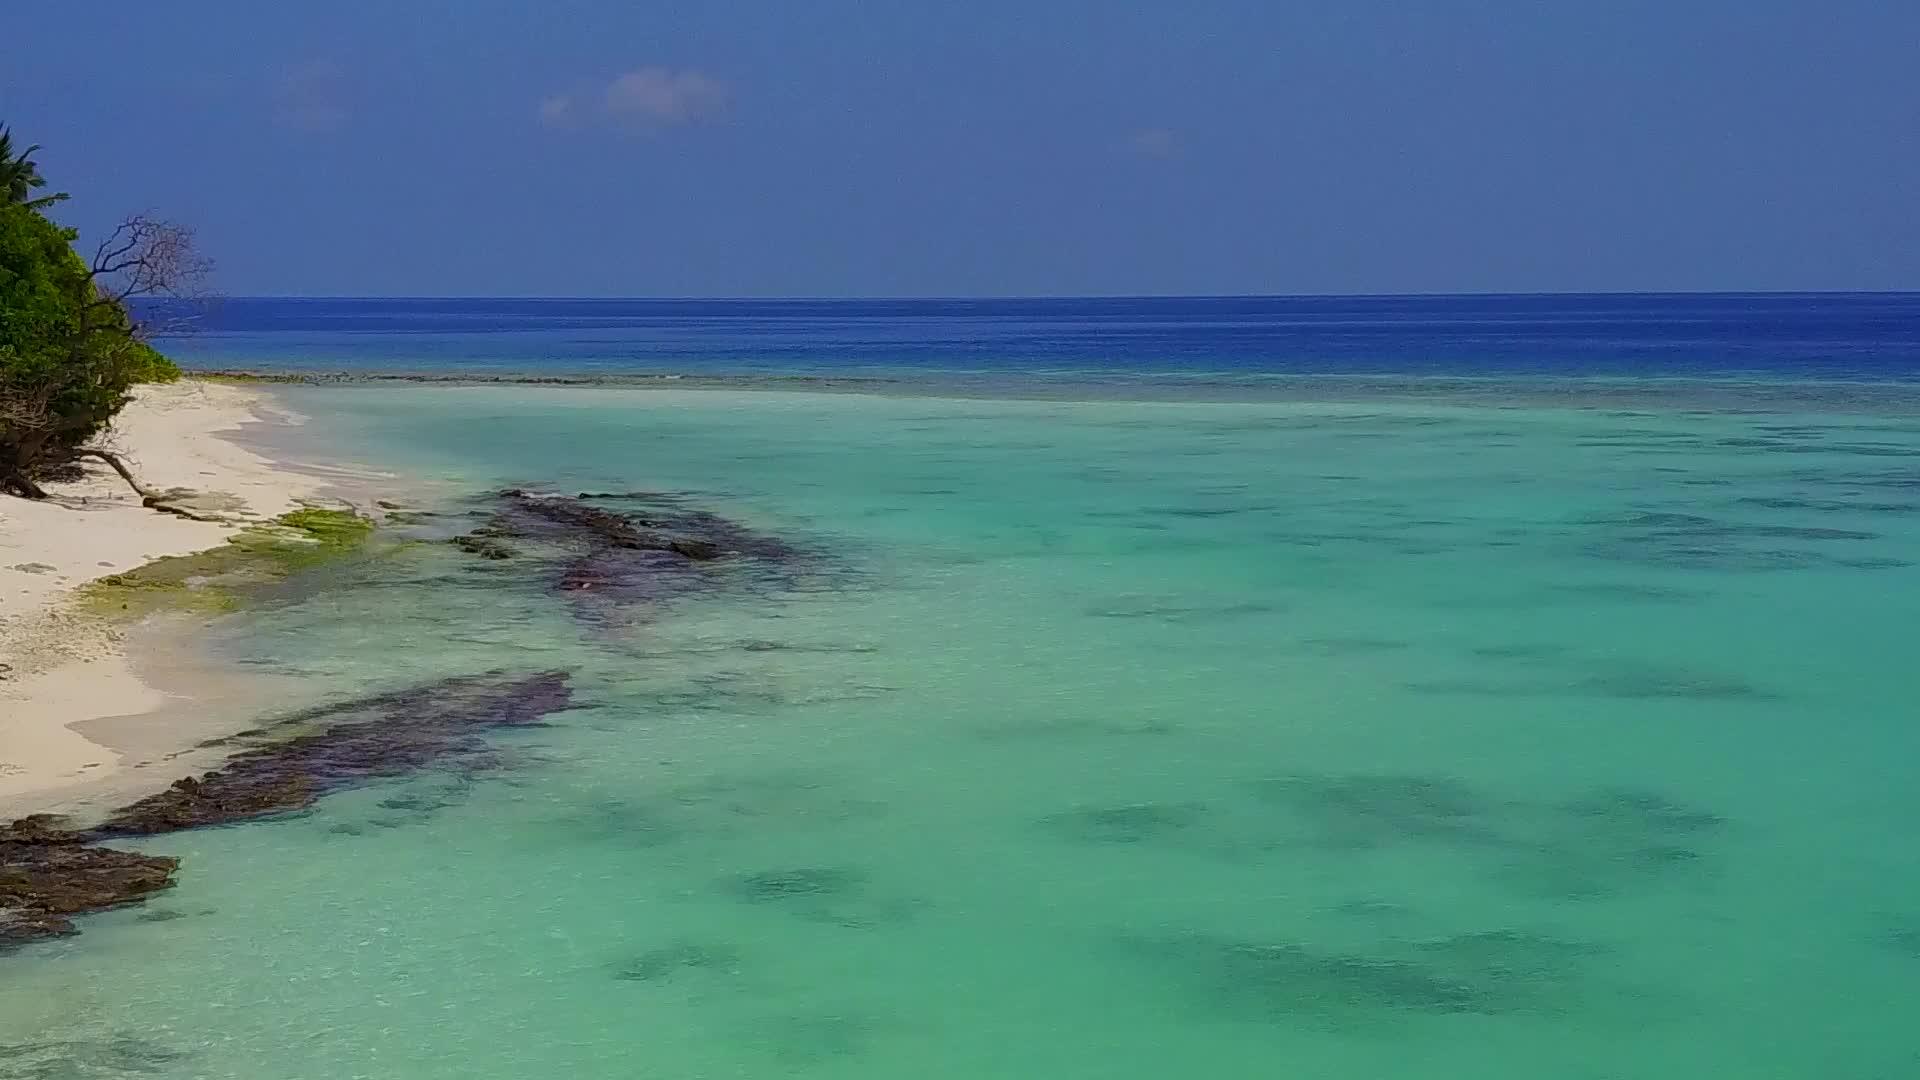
(629, 564)
(375, 738)
(469, 378)
(50, 871)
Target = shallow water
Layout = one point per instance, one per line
(1099, 739)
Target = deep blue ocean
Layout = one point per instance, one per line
(1825, 336)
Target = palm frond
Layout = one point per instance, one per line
(20, 176)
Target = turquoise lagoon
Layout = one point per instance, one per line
(1458, 736)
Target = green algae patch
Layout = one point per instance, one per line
(217, 580)
(184, 583)
(334, 531)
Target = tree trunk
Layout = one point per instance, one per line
(120, 467)
(16, 484)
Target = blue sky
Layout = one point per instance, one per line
(822, 148)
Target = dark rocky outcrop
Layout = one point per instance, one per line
(698, 535)
(387, 735)
(479, 543)
(50, 872)
(640, 496)
(660, 525)
(546, 513)
(628, 564)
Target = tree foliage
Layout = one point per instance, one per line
(19, 176)
(71, 350)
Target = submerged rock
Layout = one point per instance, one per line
(834, 895)
(644, 496)
(475, 543)
(49, 873)
(698, 535)
(628, 576)
(1364, 810)
(1486, 973)
(606, 527)
(772, 886)
(623, 564)
(1640, 811)
(1131, 824)
(668, 961)
(379, 737)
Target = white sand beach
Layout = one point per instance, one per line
(63, 669)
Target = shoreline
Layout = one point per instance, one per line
(92, 707)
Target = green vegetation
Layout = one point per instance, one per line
(72, 343)
(215, 580)
(19, 176)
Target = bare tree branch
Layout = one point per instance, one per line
(146, 257)
(120, 467)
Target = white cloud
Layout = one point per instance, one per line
(1154, 142)
(642, 101)
(558, 112)
(654, 97)
(313, 97)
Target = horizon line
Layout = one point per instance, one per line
(1003, 298)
